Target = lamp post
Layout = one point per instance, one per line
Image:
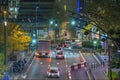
(5, 35)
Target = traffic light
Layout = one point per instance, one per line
(95, 41)
(51, 22)
(73, 22)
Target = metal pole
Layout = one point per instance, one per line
(36, 26)
(5, 46)
(5, 41)
(109, 55)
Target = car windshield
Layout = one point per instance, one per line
(53, 71)
(58, 48)
(59, 53)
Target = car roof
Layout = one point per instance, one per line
(59, 52)
(53, 67)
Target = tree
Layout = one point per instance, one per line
(16, 38)
(105, 15)
(115, 62)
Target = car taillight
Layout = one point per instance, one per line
(56, 56)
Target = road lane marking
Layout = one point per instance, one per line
(68, 73)
(49, 62)
(25, 74)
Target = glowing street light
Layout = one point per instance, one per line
(34, 41)
(73, 22)
(5, 23)
(51, 22)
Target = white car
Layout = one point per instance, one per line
(53, 72)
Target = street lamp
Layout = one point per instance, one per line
(51, 22)
(5, 35)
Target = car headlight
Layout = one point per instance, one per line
(48, 74)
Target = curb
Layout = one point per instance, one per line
(69, 74)
(87, 71)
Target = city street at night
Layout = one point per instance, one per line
(59, 39)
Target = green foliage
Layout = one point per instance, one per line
(1, 47)
(115, 60)
(106, 16)
(56, 41)
(87, 44)
(16, 38)
(1, 58)
(3, 68)
(114, 75)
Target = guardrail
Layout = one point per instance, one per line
(29, 61)
(101, 61)
(88, 71)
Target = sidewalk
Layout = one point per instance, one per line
(99, 71)
(28, 56)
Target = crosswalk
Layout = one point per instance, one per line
(67, 54)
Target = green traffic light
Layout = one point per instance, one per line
(94, 42)
(51, 22)
(73, 22)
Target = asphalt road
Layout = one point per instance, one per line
(77, 74)
(38, 68)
